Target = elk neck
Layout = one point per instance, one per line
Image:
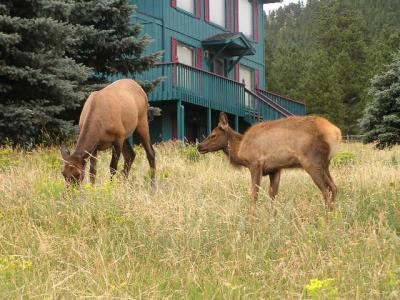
(87, 142)
(232, 149)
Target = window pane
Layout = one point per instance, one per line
(217, 12)
(246, 76)
(185, 54)
(246, 17)
(187, 5)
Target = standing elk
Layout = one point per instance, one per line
(270, 146)
(108, 118)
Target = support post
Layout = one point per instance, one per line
(180, 112)
(183, 123)
(209, 124)
(236, 122)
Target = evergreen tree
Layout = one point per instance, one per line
(110, 44)
(351, 40)
(37, 80)
(341, 34)
(381, 121)
(53, 53)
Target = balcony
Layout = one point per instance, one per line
(199, 87)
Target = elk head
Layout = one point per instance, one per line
(218, 138)
(74, 168)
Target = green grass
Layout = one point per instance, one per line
(190, 238)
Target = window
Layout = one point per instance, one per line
(217, 12)
(246, 76)
(187, 5)
(246, 17)
(185, 76)
(185, 54)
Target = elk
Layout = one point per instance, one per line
(108, 118)
(270, 146)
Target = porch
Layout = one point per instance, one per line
(192, 91)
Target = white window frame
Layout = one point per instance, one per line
(185, 5)
(180, 45)
(213, 12)
(249, 85)
(241, 4)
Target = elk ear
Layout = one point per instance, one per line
(64, 153)
(223, 121)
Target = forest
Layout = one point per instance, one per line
(327, 52)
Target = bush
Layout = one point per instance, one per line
(5, 158)
(343, 158)
(190, 153)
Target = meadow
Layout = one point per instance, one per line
(190, 239)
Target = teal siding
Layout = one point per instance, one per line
(187, 28)
(192, 98)
(152, 8)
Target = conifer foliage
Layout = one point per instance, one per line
(381, 121)
(53, 53)
(327, 51)
(111, 45)
(37, 80)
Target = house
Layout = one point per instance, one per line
(213, 61)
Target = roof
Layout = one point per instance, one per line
(271, 1)
(229, 44)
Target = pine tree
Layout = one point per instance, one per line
(110, 44)
(381, 120)
(37, 80)
(53, 53)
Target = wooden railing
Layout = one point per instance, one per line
(295, 107)
(203, 88)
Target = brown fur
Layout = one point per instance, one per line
(268, 147)
(108, 118)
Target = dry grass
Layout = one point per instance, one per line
(190, 238)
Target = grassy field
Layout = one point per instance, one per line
(190, 238)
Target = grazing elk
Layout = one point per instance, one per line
(268, 147)
(108, 117)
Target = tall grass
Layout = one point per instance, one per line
(190, 238)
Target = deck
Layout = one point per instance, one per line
(199, 87)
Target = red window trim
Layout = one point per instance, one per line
(199, 58)
(236, 15)
(198, 9)
(173, 3)
(174, 49)
(207, 10)
(229, 15)
(237, 72)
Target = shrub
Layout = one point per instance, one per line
(6, 158)
(190, 153)
(343, 158)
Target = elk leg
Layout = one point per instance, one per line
(116, 153)
(143, 132)
(320, 179)
(274, 179)
(93, 170)
(255, 186)
(129, 157)
(332, 187)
